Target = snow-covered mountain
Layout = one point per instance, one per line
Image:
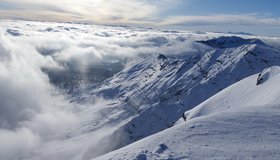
(240, 122)
(157, 91)
(81, 91)
(230, 42)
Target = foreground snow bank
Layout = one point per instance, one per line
(250, 133)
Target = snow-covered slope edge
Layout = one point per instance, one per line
(258, 91)
(240, 122)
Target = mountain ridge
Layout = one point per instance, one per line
(222, 120)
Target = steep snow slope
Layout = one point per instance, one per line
(158, 90)
(241, 122)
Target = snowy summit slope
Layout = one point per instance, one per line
(241, 122)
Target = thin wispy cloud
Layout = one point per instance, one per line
(97, 11)
(222, 19)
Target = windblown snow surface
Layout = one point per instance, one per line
(79, 91)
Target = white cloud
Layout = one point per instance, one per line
(222, 19)
(32, 111)
(16, 144)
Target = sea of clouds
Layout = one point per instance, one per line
(34, 111)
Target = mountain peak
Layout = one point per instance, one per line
(161, 56)
(231, 42)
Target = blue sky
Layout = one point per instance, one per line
(254, 16)
(202, 7)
